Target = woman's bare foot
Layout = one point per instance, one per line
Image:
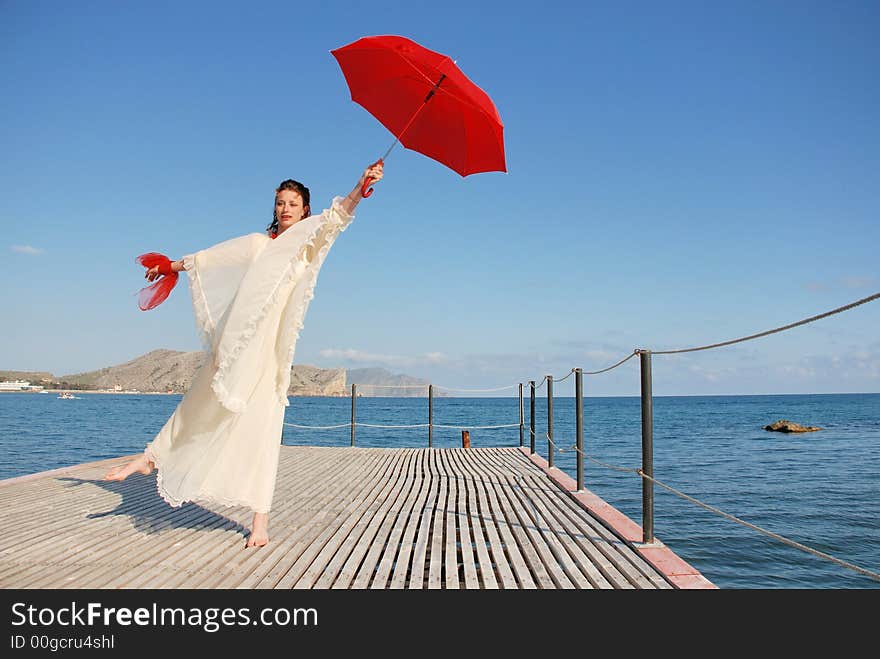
(140, 464)
(259, 536)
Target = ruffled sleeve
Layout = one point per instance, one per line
(215, 275)
(334, 221)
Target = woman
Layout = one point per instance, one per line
(250, 295)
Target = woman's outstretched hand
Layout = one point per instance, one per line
(157, 270)
(162, 271)
(372, 174)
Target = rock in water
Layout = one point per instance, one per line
(784, 425)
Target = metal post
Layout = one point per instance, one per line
(532, 418)
(430, 415)
(353, 399)
(549, 420)
(521, 416)
(579, 414)
(647, 449)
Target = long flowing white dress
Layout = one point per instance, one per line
(250, 295)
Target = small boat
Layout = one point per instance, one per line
(66, 394)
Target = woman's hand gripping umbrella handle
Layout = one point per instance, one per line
(368, 180)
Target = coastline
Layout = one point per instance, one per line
(92, 391)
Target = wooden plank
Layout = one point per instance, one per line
(302, 499)
(309, 538)
(517, 545)
(208, 553)
(479, 521)
(379, 561)
(498, 556)
(182, 550)
(324, 569)
(376, 533)
(622, 556)
(331, 522)
(616, 565)
(505, 547)
(45, 522)
(17, 481)
(453, 542)
(435, 519)
(536, 532)
(104, 542)
(342, 517)
(187, 545)
(411, 558)
(468, 523)
(567, 552)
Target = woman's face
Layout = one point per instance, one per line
(289, 209)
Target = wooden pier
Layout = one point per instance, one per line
(347, 517)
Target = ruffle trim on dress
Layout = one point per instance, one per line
(204, 322)
(291, 336)
(198, 497)
(295, 268)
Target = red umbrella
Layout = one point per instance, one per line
(426, 101)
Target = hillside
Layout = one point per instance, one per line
(34, 377)
(172, 370)
(386, 383)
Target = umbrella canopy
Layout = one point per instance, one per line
(426, 101)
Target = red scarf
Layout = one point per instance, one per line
(155, 294)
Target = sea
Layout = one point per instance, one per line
(820, 490)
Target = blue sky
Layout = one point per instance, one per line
(679, 174)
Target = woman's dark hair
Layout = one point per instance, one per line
(296, 186)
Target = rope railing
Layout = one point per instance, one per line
(436, 386)
(645, 472)
(296, 425)
(563, 379)
(510, 386)
(717, 511)
(774, 330)
(755, 527)
(613, 366)
(415, 425)
(392, 386)
(508, 425)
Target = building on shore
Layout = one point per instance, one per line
(19, 385)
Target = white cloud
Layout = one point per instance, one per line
(847, 282)
(352, 355)
(436, 358)
(27, 249)
(859, 282)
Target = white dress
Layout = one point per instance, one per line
(250, 295)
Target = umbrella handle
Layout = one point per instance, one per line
(364, 191)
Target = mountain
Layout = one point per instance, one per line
(34, 377)
(159, 370)
(308, 380)
(173, 370)
(380, 382)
